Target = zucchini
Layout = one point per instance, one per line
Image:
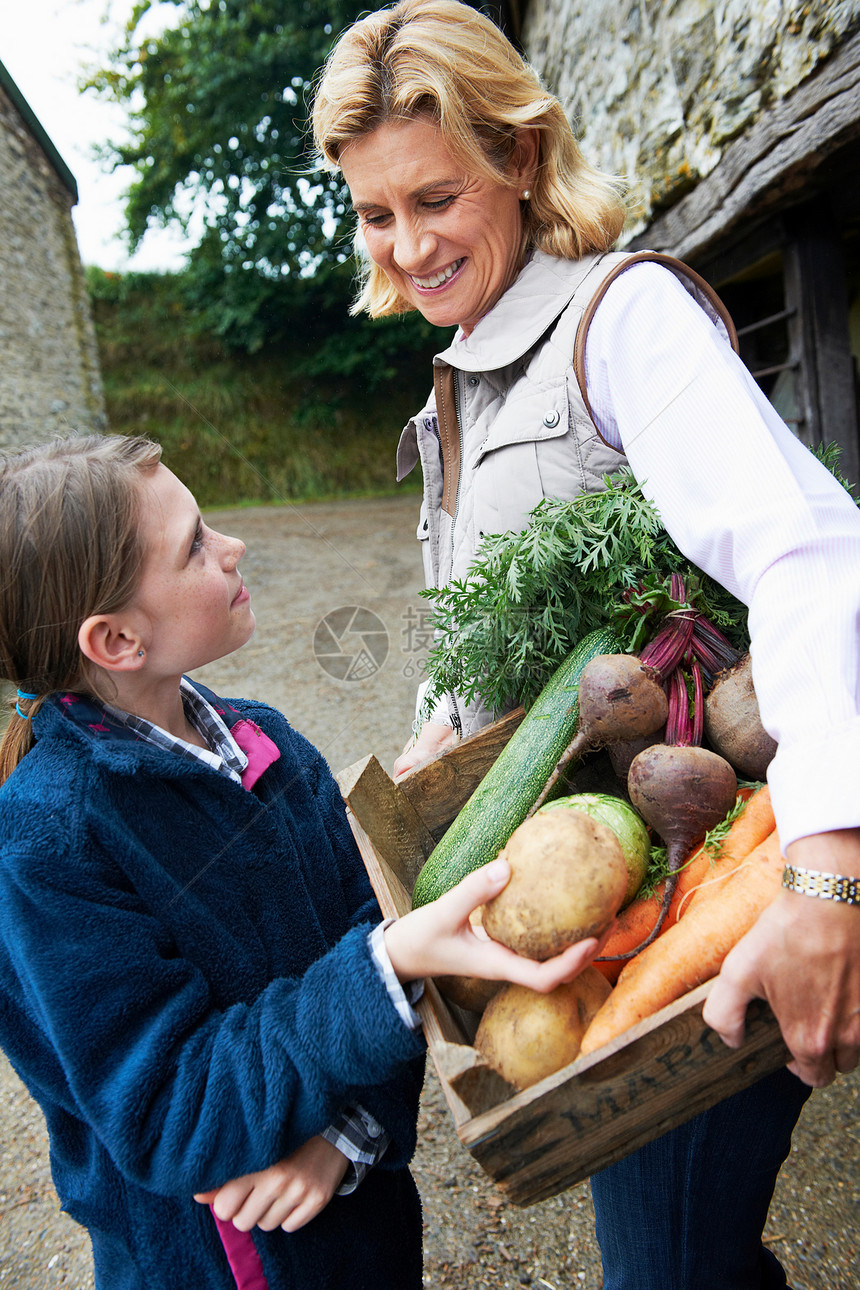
(502, 799)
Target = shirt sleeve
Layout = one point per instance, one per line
(359, 1137)
(749, 504)
(355, 1132)
(404, 1003)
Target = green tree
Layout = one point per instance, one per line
(217, 107)
(217, 104)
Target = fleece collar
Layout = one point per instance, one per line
(96, 723)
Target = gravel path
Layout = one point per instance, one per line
(303, 564)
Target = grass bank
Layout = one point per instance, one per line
(242, 428)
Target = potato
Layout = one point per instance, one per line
(526, 1036)
(627, 825)
(469, 992)
(568, 879)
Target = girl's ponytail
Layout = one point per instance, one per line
(16, 742)
(69, 548)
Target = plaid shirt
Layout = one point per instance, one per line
(223, 754)
(354, 1132)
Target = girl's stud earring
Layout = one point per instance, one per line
(527, 194)
(140, 653)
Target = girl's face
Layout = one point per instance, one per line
(192, 600)
(449, 241)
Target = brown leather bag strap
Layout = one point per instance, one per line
(449, 434)
(637, 257)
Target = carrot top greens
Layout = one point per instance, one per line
(529, 597)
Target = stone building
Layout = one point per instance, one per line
(49, 373)
(737, 126)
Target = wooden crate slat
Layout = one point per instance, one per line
(476, 1084)
(400, 836)
(389, 890)
(440, 787)
(439, 1025)
(602, 1107)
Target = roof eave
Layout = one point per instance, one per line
(38, 132)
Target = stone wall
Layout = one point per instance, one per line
(49, 373)
(657, 89)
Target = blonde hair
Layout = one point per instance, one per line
(444, 60)
(69, 548)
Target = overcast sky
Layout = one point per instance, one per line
(44, 45)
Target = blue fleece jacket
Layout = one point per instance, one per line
(186, 989)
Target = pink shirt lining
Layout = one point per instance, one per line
(260, 750)
(242, 1255)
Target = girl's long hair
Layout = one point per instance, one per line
(448, 62)
(69, 548)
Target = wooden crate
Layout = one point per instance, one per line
(537, 1143)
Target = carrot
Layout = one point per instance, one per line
(635, 922)
(694, 949)
(755, 823)
(632, 925)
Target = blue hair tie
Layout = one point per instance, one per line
(22, 694)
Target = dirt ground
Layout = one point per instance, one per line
(340, 642)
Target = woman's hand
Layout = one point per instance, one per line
(433, 738)
(803, 957)
(288, 1194)
(439, 940)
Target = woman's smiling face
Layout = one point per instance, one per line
(449, 241)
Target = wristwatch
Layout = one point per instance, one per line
(828, 886)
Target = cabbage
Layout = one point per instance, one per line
(627, 825)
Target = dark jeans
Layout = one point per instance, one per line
(686, 1212)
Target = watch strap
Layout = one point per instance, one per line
(827, 886)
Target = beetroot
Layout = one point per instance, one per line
(619, 698)
(622, 752)
(733, 723)
(681, 791)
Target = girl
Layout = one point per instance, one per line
(194, 983)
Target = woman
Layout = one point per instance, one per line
(476, 207)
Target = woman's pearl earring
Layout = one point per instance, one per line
(527, 194)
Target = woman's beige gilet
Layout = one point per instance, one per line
(509, 424)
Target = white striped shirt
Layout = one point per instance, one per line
(746, 502)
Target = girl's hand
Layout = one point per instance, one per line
(433, 738)
(288, 1194)
(439, 940)
(803, 957)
